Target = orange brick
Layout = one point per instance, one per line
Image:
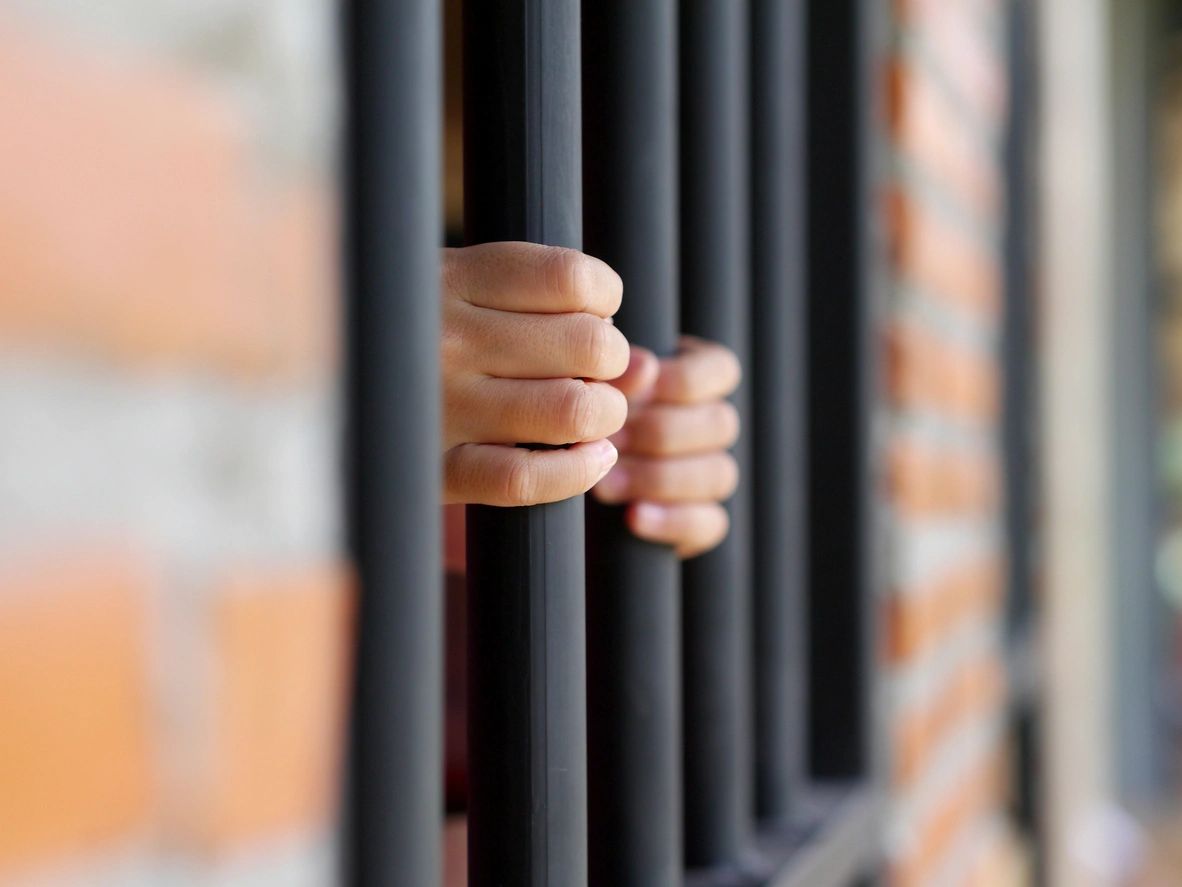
(943, 261)
(136, 227)
(975, 796)
(923, 372)
(975, 692)
(280, 645)
(929, 134)
(924, 480)
(957, 35)
(75, 773)
(917, 619)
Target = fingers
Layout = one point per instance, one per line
(703, 371)
(667, 430)
(691, 529)
(706, 478)
(527, 277)
(510, 476)
(640, 377)
(542, 346)
(542, 411)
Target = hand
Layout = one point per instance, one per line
(526, 350)
(674, 468)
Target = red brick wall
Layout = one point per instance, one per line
(944, 85)
(173, 607)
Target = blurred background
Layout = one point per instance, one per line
(174, 598)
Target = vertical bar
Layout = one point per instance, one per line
(526, 630)
(839, 396)
(715, 268)
(393, 223)
(1019, 420)
(633, 610)
(778, 390)
(1018, 398)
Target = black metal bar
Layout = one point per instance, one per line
(715, 269)
(1019, 394)
(1019, 419)
(633, 609)
(840, 349)
(526, 622)
(393, 224)
(778, 388)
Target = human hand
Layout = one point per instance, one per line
(526, 350)
(674, 469)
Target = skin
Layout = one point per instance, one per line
(674, 469)
(530, 355)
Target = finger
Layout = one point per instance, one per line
(669, 430)
(532, 278)
(542, 411)
(703, 371)
(544, 346)
(486, 474)
(691, 529)
(641, 375)
(708, 478)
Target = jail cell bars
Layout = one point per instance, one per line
(632, 720)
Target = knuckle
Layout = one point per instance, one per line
(578, 412)
(453, 342)
(521, 482)
(591, 346)
(568, 273)
(451, 271)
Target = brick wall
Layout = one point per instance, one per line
(944, 84)
(173, 606)
(172, 600)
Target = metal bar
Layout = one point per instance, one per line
(393, 224)
(633, 608)
(715, 268)
(840, 400)
(1018, 435)
(1017, 319)
(526, 629)
(778, 394)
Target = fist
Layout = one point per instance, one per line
(674, 469)
(528, 349)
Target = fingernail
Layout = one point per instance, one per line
(649, 516)
(607, 454)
